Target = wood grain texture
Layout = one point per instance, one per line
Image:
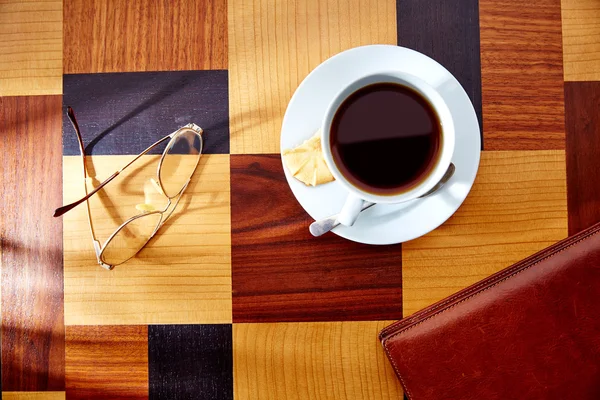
(107, 362)
(522, 75)
(1, 316)
(517, 206)
(183, 275)
(582, 105)
(281, 273)
(33, 396)
(30, 47)
(323, 360)
(273, 45)
(32, 274)
(190, 362)
(581, 39)
(139, 35)
(448, 33)
(124, 113)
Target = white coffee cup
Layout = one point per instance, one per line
(357, 197)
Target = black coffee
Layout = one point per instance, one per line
(385, 138)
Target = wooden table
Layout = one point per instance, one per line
(234, 298)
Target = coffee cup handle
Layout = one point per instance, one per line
(351, 210)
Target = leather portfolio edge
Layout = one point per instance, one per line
(472, 291)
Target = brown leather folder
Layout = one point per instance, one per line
(531, 331)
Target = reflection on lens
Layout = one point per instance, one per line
(180, 161)
(130, 239)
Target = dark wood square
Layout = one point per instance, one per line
(124, 113)
(281, 273)
(141, 35)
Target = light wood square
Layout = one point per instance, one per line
(274, 44)
(581, 39)
(183, 275)
(518, 205)
(30, 47)
(319, 360)
(33, 395)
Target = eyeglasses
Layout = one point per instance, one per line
(176, 166)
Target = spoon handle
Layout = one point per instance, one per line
(323, 226)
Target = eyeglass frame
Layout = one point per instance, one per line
(98, 248)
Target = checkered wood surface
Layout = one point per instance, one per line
(234, 298)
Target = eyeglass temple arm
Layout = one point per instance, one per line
(61, 210)
(71, 115)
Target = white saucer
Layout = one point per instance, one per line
(383, 223)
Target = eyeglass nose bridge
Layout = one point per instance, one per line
(191, 126)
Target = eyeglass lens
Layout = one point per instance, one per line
(180, 161)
